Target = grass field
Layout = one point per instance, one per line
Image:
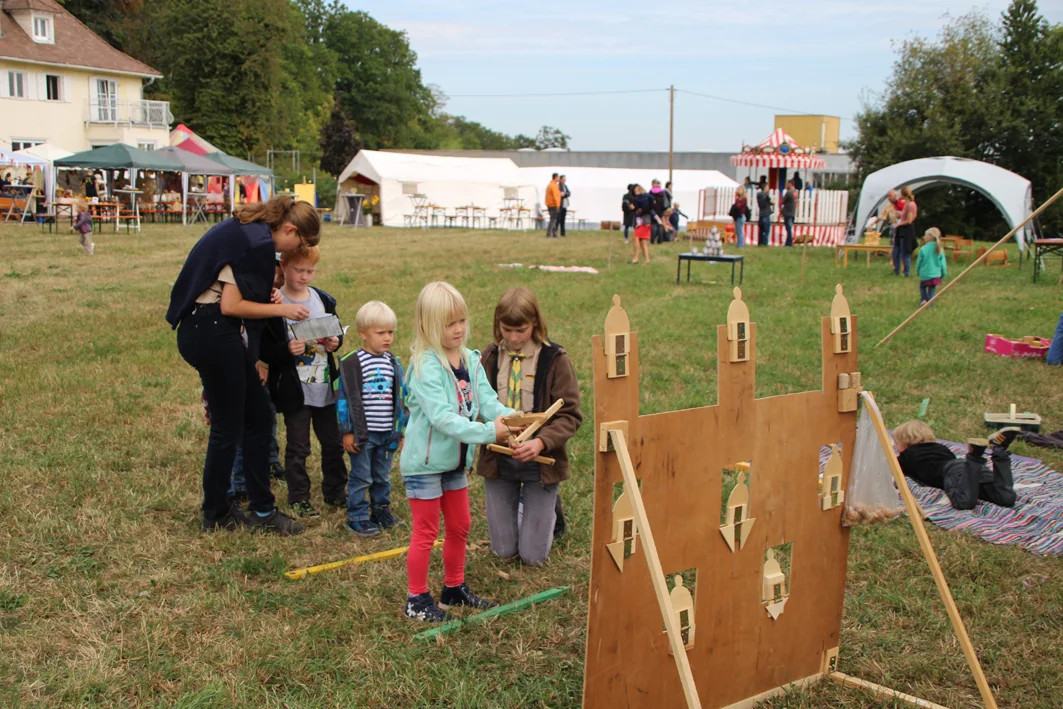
(110, 595)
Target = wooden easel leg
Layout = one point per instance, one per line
(660, 585)
(884, 692)
(915, 516)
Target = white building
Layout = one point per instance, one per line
(61, 83)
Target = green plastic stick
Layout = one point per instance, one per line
(923, 407)
(492, 612)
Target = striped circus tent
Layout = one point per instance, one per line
(778, 150)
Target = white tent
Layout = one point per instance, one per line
(1010, 193)
(48, 154)
(597, 192)
(448, 182)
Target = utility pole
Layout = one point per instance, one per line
(671, 126)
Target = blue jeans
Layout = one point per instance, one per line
(764, 237)
(788, 222)
(926, 293)
(1055, 350)
(740, 231)
(370, 468)
(900, 254)
(432, 485)
(239, 482)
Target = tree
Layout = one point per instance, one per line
(550, 137)
(980, 91)
(339, 142)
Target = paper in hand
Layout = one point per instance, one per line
(317, 328)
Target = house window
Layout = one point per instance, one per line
(146, 145)
(106, 103)
(21, 143)
(16, 84)
(53, 87)
(42, 29)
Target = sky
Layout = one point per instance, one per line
(820, 57)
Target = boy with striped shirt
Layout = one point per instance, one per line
(371, 407)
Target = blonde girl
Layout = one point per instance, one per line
(530, 373)
(930, 264)
(452, 408)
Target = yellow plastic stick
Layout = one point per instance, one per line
(379, 556)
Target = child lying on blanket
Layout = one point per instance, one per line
(965, 480)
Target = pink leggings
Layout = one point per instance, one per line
(455, 507)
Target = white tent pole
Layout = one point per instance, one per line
(184, 198)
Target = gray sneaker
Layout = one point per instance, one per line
(275, 523)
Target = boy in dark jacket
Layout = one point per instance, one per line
(302, 390)
(965, 480)
(371, 407)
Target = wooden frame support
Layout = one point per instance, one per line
(536, 425)
(660, 584)
(884, 692)
(916, 518)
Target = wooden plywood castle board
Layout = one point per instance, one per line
(761, 622)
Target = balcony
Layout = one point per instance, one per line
(142, 114)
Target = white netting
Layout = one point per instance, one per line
(872, 495)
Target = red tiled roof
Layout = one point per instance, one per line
(75, 44)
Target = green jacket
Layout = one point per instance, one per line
(437, 428)
(929, 263)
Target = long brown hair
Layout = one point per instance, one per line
(280, 210)
(907, 193)
(517, 307)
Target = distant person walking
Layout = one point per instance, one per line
(553, 205)
(645, 218)
(740, 212)
(904, 235)
(764, 207)
(562, 212)
(789, 210)
(627, 205)
(798, 183)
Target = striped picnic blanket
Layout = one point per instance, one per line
(1035, 523)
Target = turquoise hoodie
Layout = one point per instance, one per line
(929, 264)
(437, 428)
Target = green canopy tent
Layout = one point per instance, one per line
(119, 157)
(243, 167)
(192, 164)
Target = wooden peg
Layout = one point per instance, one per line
(536, 425)
(510, 452)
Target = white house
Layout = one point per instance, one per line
(62, 84)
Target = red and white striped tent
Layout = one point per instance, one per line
(778, 150)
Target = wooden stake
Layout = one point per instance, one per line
(509, 451)
(493, 612)
(916, 518)
(379, 556)
(660, 585)
(977, 261)
(884, 692)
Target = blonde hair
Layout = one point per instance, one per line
(935, 234)
(302, 253)
(517, 307)
(907, 193)
(438, 304)
(740, 192)
(281, 210)
(911, 432)
(375, 313)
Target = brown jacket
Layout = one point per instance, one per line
(554, 379)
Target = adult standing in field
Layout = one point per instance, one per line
(798, 183)
(904, 233)
(219, 305)
(739, 212)
(627, 205)
(553, 205)
(562, 211)
(764, 207)
(789, 210)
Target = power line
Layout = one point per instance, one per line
(746, 103)
(553, 94)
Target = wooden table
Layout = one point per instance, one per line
(104, 212)
(20, 202)
(1045, 247)
(132, 217)
(844, 249)
(723, 258)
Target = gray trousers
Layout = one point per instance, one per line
(551, 226)
(968, 480)
(532, 534)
